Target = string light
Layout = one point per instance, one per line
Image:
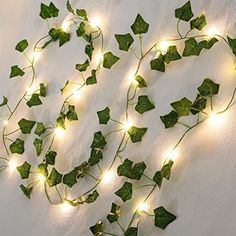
(66, 207)
(59, 132)
(212, 32)
(95, 21)
(98, 58)
(41, 177)
(215, 119)
(12, 164)
(108, 177)
(37, 55)
(143, 206)
(172, 154)
(128, 125)
(65, 25)
(163, 45)
(5, 122)
(31, 89)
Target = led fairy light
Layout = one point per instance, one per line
(5, 122)
(143, 206)
(12, 164)
(66, 24)
(172, 154)
(98, 58)
(66, 207)
(31, 89)
(212, 32)
(163, 45)
(215, 119)
(108, 177)
(41, 178)
(59, 132)
(127, 125)
(95, 21)
(37, 55)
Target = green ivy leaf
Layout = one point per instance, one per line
(192, 48)
(208, 88)
(208, 44)
(158, 63)
(89, 50)
(40, 129)
(26, 125)
(50, 157)
(61, 121)
(16, 71)
(141, 81)
(198, 23)
(182, 106)
(4, 102)
(82, 169)
(114, 214)
(124, 41)
(17, 146)
(163, 218)
(22, 45)
(172, 54)
(38, 143)
(82, 13)
(109, 59)
(170, 119)
(131, 231)
(24, 170)
(54, 34)
(26, 190)
(43, 169)
(48, 11)
(144, 104)
(69, 7)
(80, 32)
(92, 197)
(64, 37)
(185, 12)
(95, 157)
(125, 192)
(54, 178)
(70, 179)
(140, 26)
(232, 44)
(99, 141)
(128, 170)
(97, 228)
(34, 100)
(198, 105)
(157, 178)
(42, 90)
(104, 115)
(82, 67)
(71, 114)
(136, 134)
(92, 79)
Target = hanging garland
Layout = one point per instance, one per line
(201, 109)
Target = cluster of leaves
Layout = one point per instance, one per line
(185, 107)
(192, 46)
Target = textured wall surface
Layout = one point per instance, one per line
(201, 191)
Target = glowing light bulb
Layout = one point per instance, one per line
(143, 206)
(59, 132)
(172, 154)
(108, 177)
(5, 122)
(41, 177)
(128, 125)
(215, 119)
(12, 164)
(65, 25)
(66, 207)
(95, 21)
(212, 32)
(37, 55)
(163, 45)
(98, 58)
(132, 77)
(31, 90)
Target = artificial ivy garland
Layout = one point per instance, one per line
(130, 171)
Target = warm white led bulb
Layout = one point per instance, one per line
(59, 132)
(172, 154)
(5, 122)
(215, 119)
(143, 206)
(37, 55)
(95, 21)
(65, 25)
(66, 207)
(41, 177)
(12, 164)
(212, 32)
(128, 125)
(98, 58)
(163, 45)
(108, 177)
